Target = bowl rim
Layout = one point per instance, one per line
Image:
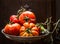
(24, 36)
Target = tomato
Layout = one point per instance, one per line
(7, 28)
(31, 25)
(22, 29)
(14, 19)
(21, 33)
(12, 29)
(27, 16)
(35, 29)
(35, 33)
(25, 34)
(29, 32)
(26, 24)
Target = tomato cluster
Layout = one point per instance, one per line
(29, 29)
(23, 25)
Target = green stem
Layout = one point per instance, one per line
(28, 30)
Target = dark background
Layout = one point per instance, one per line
(57, 9)
(41, 8)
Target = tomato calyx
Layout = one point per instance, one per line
(26, 18)
(28, 30)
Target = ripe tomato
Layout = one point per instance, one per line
(31, 25)
(25, 34)
(22, 29)
(26, 24)
(14, 19)
(27, 16)
(35, 33)
(35, 29)
(7, 28)
(12, 29)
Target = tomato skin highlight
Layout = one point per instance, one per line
(30, 15)
(12, 29)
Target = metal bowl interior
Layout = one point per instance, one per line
(24, 39)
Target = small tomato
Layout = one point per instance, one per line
(31, 25)
(14, 19)
(22, 29)
(26, 24)
(35, 33)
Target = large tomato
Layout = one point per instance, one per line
(12, 29)
(27, 16)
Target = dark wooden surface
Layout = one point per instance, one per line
(41, 8)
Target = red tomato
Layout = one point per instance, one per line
(14, 19)
(12, 29)
(27, 16)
